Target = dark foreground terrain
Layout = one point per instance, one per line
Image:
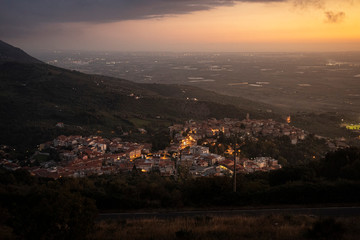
(68, 208)
(277, 227)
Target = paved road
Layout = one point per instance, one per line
(326, 211)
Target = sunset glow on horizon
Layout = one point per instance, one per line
(244, 26)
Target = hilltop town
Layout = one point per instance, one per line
(189, 150)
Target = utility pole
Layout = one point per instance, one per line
(177, 162)
(236, 152)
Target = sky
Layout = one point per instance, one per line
(182, 25)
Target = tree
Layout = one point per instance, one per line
(343, 163)
(54, 214)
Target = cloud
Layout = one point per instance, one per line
(21, 15)
(320, 4)
(334, 17)
(106, 10)
(330, 16)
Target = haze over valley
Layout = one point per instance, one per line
(312, 82)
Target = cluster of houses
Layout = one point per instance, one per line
(78, 156)
(83, 156)
(202, 163)
(249, 128)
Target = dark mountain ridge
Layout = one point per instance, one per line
(9, 53)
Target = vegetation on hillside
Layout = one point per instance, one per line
(37, 96)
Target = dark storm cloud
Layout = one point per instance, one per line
(18, 16)
(24, 17)
(334, 17)
(105, 10)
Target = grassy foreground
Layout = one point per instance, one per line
(241, 227)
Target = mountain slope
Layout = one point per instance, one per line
(36, 96)
(9, 53)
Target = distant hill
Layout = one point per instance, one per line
(35, 96)
(9, 53)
